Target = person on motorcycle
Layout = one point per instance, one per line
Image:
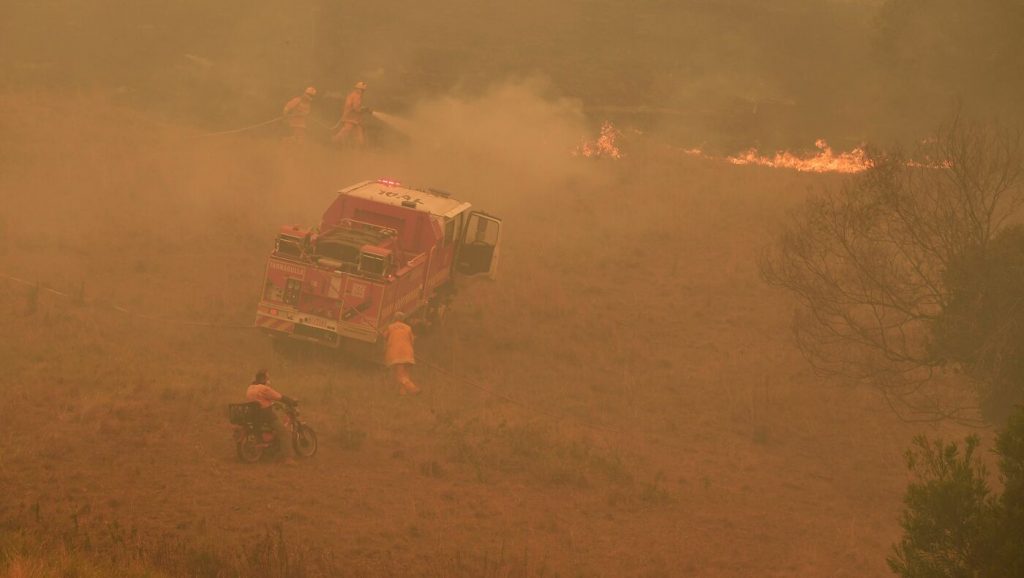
(261, 392)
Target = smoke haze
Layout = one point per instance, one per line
(735, 73)
(625, 399)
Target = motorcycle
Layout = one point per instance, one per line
(255, 437)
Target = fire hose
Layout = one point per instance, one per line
(242, 129)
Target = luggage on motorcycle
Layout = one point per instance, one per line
(245, 413)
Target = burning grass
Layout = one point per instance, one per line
(604, 147)
(825, 161)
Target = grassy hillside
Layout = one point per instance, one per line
(625, 400)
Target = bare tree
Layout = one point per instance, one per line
(869, 263)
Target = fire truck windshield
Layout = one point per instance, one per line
(339, 250)
(343, 243)
(373, 264)
(288, 246)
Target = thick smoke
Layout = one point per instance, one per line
(511, 131)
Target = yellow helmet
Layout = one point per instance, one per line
(310, 91)
(361, 85)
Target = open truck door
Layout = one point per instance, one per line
(479, 248)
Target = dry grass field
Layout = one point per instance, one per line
(625, 400)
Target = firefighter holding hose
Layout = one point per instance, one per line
(351, 122)
(296, 111)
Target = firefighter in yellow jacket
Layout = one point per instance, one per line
(295, 113)
(399, 353)
(351, 122)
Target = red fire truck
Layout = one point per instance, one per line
(381, 248)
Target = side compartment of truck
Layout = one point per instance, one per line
(282, 287)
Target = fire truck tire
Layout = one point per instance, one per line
(249, 451)
(438, 315)
(304, 442)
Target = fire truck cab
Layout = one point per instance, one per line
(380, 248)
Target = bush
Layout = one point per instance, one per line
(954, 525)
(885, 272)
(982, 327)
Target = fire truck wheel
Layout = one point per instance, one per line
(435, 315)
(439, 315)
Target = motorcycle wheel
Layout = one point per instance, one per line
(248, 450)
(304, 441)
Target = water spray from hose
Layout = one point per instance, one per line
(402, 125)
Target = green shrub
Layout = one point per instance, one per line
(982, 327)
(954, 524)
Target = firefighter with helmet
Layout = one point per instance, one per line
(296, 113)
(399, 355)
(351, 131)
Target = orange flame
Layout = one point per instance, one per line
(825, 161)
(604, 146)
